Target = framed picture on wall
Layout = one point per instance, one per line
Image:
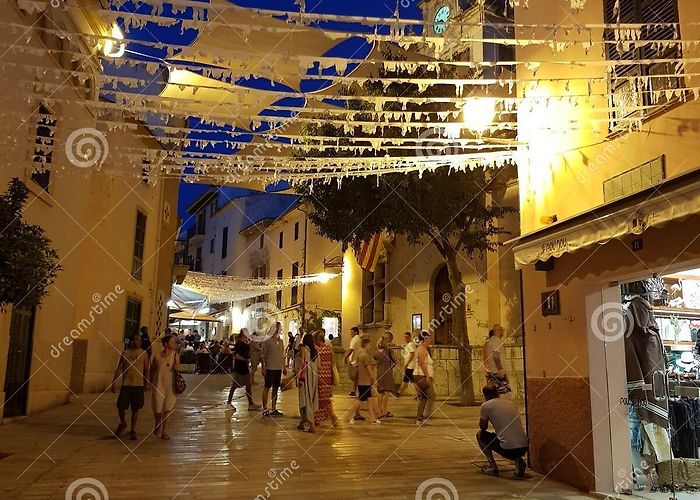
(417, 322)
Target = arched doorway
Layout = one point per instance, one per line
(442, 296)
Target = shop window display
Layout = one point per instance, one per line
(662, 351)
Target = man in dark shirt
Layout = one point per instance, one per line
(241, 372)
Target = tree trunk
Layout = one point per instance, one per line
(459, 325)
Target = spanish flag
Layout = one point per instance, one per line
(369, 253)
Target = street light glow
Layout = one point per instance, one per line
(111, 47)
(326, 277)
(478, 113)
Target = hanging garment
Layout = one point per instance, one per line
(646, 364)
(685, 427)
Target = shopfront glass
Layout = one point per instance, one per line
(662, 357)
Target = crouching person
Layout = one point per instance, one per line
(508, 439)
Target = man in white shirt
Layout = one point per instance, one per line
(509, 439)
(493, 360)
(351, 357)
(273, 367)
(409, 361)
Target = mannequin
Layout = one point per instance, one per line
(647, 390)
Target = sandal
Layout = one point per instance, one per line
(133, 436)
(119, 430)
(490, 470)
(165, 437)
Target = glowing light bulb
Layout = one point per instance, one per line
(112, 48)
(479, 113)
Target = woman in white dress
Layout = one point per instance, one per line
(163, 367)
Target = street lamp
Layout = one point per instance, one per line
(113, 48)
(478, 113)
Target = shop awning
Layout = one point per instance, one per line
(184, 315)
(673, 199)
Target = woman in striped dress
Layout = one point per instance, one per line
(325, 380)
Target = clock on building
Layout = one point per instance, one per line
(442, 16)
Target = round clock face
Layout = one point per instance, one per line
(441, 17)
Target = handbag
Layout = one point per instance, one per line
(179, 383)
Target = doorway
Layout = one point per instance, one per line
(19, 361)
(442, 296)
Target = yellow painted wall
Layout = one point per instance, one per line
(570, 155)
(90, 216)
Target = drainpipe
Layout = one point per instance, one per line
(522, 328)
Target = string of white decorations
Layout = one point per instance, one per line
(131, 20)
(202, 12)
(222, 288)
(232, 114)
(626, 39)
(307, 62)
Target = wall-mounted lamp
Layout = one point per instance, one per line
(112, 48)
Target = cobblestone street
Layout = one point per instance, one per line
(215, 453)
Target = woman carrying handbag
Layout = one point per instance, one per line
(166, 382)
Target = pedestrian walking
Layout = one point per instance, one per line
(366, 385)
(163, 369)
(385, 376)
(307, 383)
(289, 354)
(255, 348)
(326, 381)
(351, 358)
(272, 357)
(133, 369)
(409, 362)
(423, 378)
(241, 372)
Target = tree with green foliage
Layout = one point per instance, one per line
(458, 211)
(455, 211)
(28, 263)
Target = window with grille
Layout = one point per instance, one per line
(374, 295)
(43, 149)
(133, 317)
(139, 245)
(637, 179)
(636, 86)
